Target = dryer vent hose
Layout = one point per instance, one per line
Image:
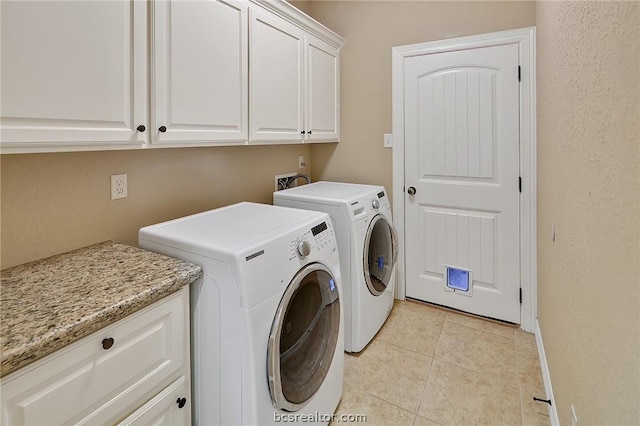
(291, 180)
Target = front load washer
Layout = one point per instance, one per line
(368, 247)
(267, 334)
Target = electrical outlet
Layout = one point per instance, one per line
(301, 162)
(283, 181)
(119, 186)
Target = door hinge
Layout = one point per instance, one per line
(520, 183)
(519, 73)
(521, 295)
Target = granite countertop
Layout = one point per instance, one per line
(49, 303)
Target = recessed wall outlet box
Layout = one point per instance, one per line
(119, 186)
(285, 181)
(388, 140)
(301, 162)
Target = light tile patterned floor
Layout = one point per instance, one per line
(431, 366)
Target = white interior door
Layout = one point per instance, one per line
(462, 162)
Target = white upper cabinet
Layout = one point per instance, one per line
(294, 80)
(277, 78)
(322, 112)
(74, 73)
(200, 72)
(119, 74)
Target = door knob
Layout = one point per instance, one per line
(411, 190)
(162, 129)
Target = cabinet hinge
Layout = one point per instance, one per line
(519, 73)
(521, 295)
(520, 183)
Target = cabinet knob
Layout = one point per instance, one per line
(309, 132)
(162, 129)
(181, 402)
(107, 343)
(141, 128)
(303, 132)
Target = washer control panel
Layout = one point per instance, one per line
(320, 237)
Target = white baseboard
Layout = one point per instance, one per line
(546, 377)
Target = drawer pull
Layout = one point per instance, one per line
(107, 343)
(181, 402)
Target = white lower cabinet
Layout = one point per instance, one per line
(131, 366)
(170, 407)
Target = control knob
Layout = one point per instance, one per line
(375, 204)
(303, 249)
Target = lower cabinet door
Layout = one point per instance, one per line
(105, 376)
(172, 406)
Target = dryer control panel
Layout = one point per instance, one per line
(373, 202)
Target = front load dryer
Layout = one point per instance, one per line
(361, 215)
(267, 334)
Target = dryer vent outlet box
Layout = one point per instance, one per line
(285, 181)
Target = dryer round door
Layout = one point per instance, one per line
(303, 338)
(380, 254)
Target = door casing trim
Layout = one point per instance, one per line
(525, 39)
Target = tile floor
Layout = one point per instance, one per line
(431, 366)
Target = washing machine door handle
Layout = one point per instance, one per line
(394, 244)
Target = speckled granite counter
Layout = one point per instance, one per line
(49, 303)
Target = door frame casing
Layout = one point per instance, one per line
(525, 39)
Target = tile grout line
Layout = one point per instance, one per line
(426, 382)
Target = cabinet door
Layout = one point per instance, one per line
(276, 50)
(73, 74)
(322, 112)
(200, 72)
(171, 407)
(88, 383)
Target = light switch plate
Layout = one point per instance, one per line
(388, 140)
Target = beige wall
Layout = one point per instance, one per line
(371, 29)
(52, 203)
(589, 187)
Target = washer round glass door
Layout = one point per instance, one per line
(380, 254)
(303, 338)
